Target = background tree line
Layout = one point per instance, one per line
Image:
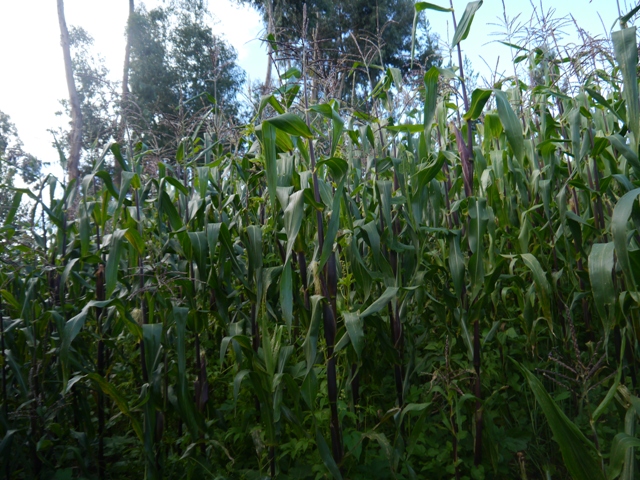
(424, 282)
(179, 73)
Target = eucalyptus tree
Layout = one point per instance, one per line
(15, 163)
(352, 41)
(179, 67)
(75, 136)
(176, 74)
(345, 298)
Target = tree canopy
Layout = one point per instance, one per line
(352, 37)
(15, 163)
(178, 67)
(179, 73)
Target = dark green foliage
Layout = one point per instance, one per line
(98, 96)
(15, 164)
(353, 41)
(343, 299)
(178, 67)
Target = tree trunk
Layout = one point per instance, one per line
(125, 92)
(267, 81)
(75, 139)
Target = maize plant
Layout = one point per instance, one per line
(451, 291)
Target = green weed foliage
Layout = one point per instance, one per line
(447, 293)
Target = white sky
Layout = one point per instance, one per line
(32, 79)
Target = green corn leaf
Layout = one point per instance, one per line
(478, 219)
(601, 267)
(133, 237)
(431, 95)
(293, 220)
(355, 328)
(128, 179)
(71, 330)
(620, 218)
(629, 466)
(381, 302)
(385, 189)
(67, 270)
(13, 209)
(371, 231)
(479, 98)
(543, 287)
(271, 165)
(424, 176)
(337, 123)
(213, 231)
(152, 337)
(203, 180)
(85, 231)
(7, 440)
(625, 48)
(465, 22)
(309, 390)
(237, 382)
(612, 390)
(72, 382)
(621, 442)
(167, 206)
(578, 453)
(291, 124)
(16, 366)
(575, 122)
(334, 223)
(254, 250)
(605, 103)
(199, 249)
(174, 182)
(115, 149)
(185, 398)
(310, 345)
(113, 261)
(619, 144)
(456, 264)
(325, 455)
(286, 294)
(338, 166)
(511, 124)
(625, 18)
(412, 407)
(420, 6)
(109, 389)
(407, 127)
(269, 100)
(227, 243)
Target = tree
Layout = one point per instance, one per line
(98, 96)
(98, 99)
(354, 37)
(179, 67)
(75, 137)
(125, 89)
(15, 163)
(175, 70)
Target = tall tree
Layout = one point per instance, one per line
(98, 98)
(352, 37)
(15, 163)
(125, 88)
(75, 137)
(178, 67)
(125, 69)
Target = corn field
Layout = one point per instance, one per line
(449, 293)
